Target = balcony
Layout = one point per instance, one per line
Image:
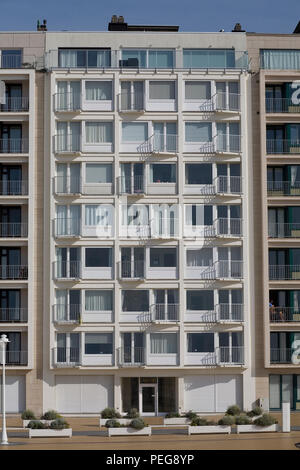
(13, 272)
(284, 230)
(284, 272)
(13, 188)
(15, 105)
(230, 355)
(284, 314)
(282, 146)
(13, 230)
(15, 358)
(134, 185)
(220, 270)
(228, 143)
(159, 144)
(228, 185)
(132, 270)
(131, 357)
(131, 102)
(66, 185)
(222, 313)
(67, 102)
(13, 315)
(14, 146)
(283, 188)
(281, 355)
(67, 270)
(17, 60)
(67, 227)
(70, 143)
(164, 313)
(65, 314)
(230, 228)
(226, 102)
(281, 105)
(66, 357)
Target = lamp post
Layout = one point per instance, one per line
(3, 341)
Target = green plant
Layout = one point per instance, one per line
(200, 422)
(137, 423)
(59, 423)
(233, 410)
(28, 414)
(191, 415)
(36, 425)
(133, 413)
(50, 415)
(257, 411)
(110, 413)
(265, 420)
(243, 419)
(227, 420)
(172, 414)
(112, 423)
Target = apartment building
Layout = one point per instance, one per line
(21, 212)
(275, 61)
(148, 296)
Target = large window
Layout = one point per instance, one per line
(98, 173)
(84, 58)
(98, 343)
(163, 173)
(134, 131)
(280, 59)
(200, 342)
(199, 214)
(162, 90)
(11, 58)
(98, 132)
(201, 257)
(135, 300)
(195, 90)
(163, 343)
(162, 257)
(143, 58)
(98, 257)
(200, 300)
(208, 58)
(198, 132)
(98, 300)
(98, 91)
(198, 173)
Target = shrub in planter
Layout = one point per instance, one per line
(133, 413)
(28, 414)
(233, 410)
(227, 420)
(202, 422)
(59, 423)
(36, 425)
(50, 415)
(191, 415)
(257, 411)
(172, 414)
(137, 423)
(243, 419)
(110, 413)
(265, 420)
(112, 423)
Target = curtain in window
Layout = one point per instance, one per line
(68, 58)
(195, 90)
(96, 91)
(281, 59)
(134, 131)
(62, 131)
(74, 96)
(98, 132)
(98, 300)
(61, 171)
(198, 132)
(162, 90)
(135, 215)
(203, 257)
(98, 215)
(163, 343)
(61, 220)
(75, 211)
(75, 131)
(195, 215)
(61, 304)
(160, 59)
(140, 55)
(62, 97)
(98, 173)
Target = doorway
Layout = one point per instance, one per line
(148, 399)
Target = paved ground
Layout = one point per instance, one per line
(87, 435)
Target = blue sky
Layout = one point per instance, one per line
(270, 16)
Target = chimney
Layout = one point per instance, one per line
(117, 23)
(41, 27)
(238, 29)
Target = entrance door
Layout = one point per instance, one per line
(148, 400)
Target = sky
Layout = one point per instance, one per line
(262, 16)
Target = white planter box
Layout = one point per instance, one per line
(209, 429)
(44, 421)
(172, 421)
(129, 431)
(254, 428)
(50, 433)
(125, 421)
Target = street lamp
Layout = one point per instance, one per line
(3, 341)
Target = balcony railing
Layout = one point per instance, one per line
(220, 270)
(281, 355)
(164, 313)
(15, 104)
(226, 101)
(228, 143)
(282, 146)
(15, 358)
(284, 314)
(228, 227)
(14, 146)
(228, 185)
(67, 101)
(284, 272)
(69, 143)
(70, 313)
(230, 355)
(13, 272)
(132, 270)
(13, 188)
(67, 185)
(159, 144)
(283, 188)
(67, 269)
(132, 185)
(130, 357)
(11, 315)
(131, 102)
(284, 230)
(230, 312)
(13, 230)
(67, 227)
(66, 357)
(164, 227)
(281, 105)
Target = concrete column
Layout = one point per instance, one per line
(286, 417)
(117, 393)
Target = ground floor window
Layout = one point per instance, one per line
(284, 388)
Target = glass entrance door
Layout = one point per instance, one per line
(148, 400)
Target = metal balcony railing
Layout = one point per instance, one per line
(159, 144)
(230, 312)
(283, 188)
(129, 356)
(15, 104)
(13, 272)
(284, 272)
(67, 185)
(14, 145)
(67, 313)
(11, 315)
(164, 227)
(66, 357)
(131, 102)
(18, 61)
(282, 146)
(68, 143)
(13, 188)
(68, 101)
(132, 269)
(164, 313)
(67, 227)
(281, 105)
(228, 227)
(230, 355)
(228, 143)
(67, 269)
(229, 269)
(284, 314)
(226, 101)
(134, 185)
(15, 358)
(13, 230)
(228, 185)
(281, 355)
(284, 230)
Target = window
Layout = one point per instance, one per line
(98, 343)
(11, 59)
(162, 90)
(148, 58)
(198, 132)
(135, 301)
(208, 58)
(98, 257)
(98, 173)
(98, 215)
(98, 300)
(281, 59)
(163, 173)
(162, 257)
(134, 131)
(98, 132)
(198, 173)
(202, 257)
(200, 300)
(84, 58)
(198, 215)
(136, 214)
(97, 91)
(161, 343)
(200, 342)
(195, 90)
